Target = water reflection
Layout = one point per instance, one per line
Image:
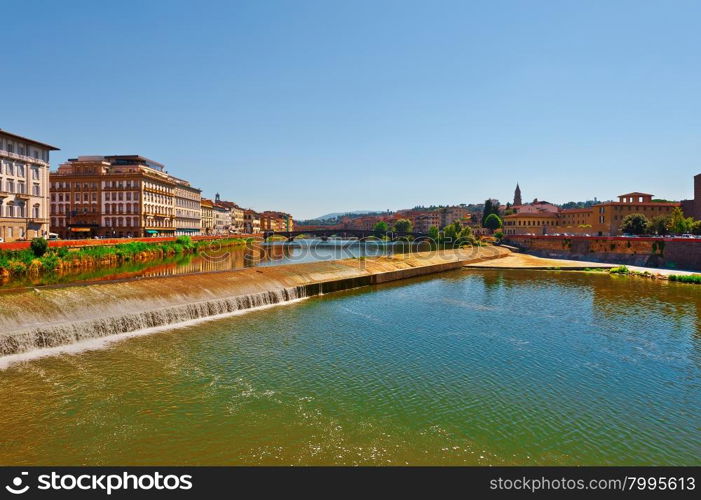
(217, 258)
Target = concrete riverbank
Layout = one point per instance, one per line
(54, 316)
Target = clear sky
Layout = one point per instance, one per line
(326, 106)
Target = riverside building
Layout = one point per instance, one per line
(24, 187)
(118, 196)
(602, 219)
(188, 209)
(207, 223)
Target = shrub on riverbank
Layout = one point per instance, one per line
(34, 261)
(686, 278)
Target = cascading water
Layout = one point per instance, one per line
(32, 319)
(52, 335)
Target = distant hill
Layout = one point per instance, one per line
(341, 214)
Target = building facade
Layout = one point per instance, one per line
(118, 196)
(222, 219)
(24, 187)
(603, 219)
(453, 214)
(276, 221)
(188, 209)
(251, 222)
(692, 208)
(207, 224)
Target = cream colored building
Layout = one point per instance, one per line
(222, 219)
(207, 223)
(24, 187)
(188, 209)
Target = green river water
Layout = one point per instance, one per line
(466, 367)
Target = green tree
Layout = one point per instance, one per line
(488, 210)
(450, 233)
(678, 224)
(380, 228)
(492, 222)
(635, 224)
(659, 225)
(39, 246)
(433, 233)
(696, 227)
(403, 226)
(499, 235)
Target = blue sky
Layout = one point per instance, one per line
(324, 106)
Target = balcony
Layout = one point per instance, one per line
(25, 158)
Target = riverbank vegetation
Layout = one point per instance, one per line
(686, 278)
(625, 271)
(675, 223)
(40, 258)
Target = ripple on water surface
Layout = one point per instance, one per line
(490, 367)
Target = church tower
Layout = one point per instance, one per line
(517, 195)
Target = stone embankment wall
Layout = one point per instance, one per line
(668, 253)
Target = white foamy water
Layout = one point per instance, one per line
(104, 341)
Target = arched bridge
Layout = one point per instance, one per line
(360, 234)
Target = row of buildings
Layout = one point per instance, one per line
(601, 219)
(537, 217)
(110, 196)
(421, 219)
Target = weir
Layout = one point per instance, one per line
(48, 317)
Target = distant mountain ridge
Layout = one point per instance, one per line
(340, 214)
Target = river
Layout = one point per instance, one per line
(465, 367)
(216, 258)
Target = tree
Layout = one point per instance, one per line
(380, 228)
(696, 227)
(492, 222)
(466, 233)
(403, 226)
(660, 225)
(635, 224)
(499, 235)
(450, 233)
(433, 233)
(678, 224)
(488, 210)
(39, 246)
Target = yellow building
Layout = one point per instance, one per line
(607, 217)
(603, 219)
(531, 223)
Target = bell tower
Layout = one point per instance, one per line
(517, 195)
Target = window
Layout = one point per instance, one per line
(35, 189)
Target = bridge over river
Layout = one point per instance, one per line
(359, 234)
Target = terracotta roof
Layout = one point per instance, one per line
(642, 203)
(635, 193)
(530, 214)
(575, 210)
